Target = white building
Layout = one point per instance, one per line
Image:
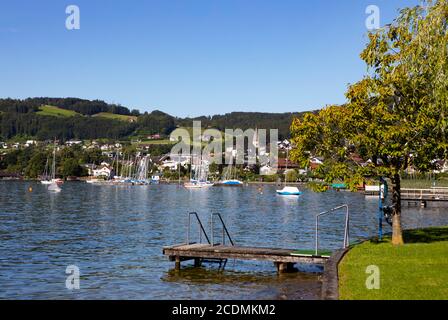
(73, 142)
(284, 145)
(102, 172)
(267, 171)
(29, 143)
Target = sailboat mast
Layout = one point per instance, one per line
(178, 167)
(117, 163)
(46, 168)
(54, 161)
(286, 164)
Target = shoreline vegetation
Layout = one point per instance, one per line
(417, 270)
(411, 183)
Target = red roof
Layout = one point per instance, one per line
(283, 163)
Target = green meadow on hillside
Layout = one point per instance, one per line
(114, 116)
(56, 112)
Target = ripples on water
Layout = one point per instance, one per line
(115, 235)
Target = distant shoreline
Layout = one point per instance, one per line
(83, 179)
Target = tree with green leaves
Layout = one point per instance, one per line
(396, 116)
(71, 167)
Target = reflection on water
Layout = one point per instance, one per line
(115, 235)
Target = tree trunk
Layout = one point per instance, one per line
(397, 234)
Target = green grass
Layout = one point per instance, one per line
(423, 183)
(56, 112)
(114, 116)
(165, 141)
(312, 252)
(417, 270)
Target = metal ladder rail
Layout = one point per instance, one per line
(201, 228)
(346, 231)
(224, 230)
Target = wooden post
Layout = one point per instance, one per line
(283, 267)
(177, 263)
(197, 262)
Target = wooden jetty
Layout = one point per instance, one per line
(417, 196)
(283, 259)
(423, 196)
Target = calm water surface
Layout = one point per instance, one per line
(115, 235)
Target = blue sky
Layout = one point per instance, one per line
(188, 57)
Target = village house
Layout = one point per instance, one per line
(102, 172)
(156, 136)
(315, 162)
(284, 164)
(172, 162)
(109, 154)
(73, 142)
(284, 145)
(267, 170)
(441, 166)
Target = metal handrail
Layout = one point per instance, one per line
(201, 228)
(224, 230)
(346, 231)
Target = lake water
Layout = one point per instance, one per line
(115, 235)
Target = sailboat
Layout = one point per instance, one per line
(229, 178)
(200, 179)
(45, 176)
(288, 191)
(142, 172)
(53, 186)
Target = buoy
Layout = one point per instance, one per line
(30, 189)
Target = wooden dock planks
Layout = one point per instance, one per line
(207, 251)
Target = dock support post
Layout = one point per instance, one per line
(177, 263)
(284, 267)
(197, 262)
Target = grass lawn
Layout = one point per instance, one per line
(423, 183)
(56, 112)
(417, 270)
(115, 116)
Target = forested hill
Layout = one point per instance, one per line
(73, 118)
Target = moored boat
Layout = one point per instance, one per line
(289, 191)
(231, 182)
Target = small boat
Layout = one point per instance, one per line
(59, 181)
(192, 185)
(54, 182)
(232, 182)
(54, 187)
(155, 179)
(289, 191)
(46, 177)
(200, 178)
(229, 179)
(197, 184)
